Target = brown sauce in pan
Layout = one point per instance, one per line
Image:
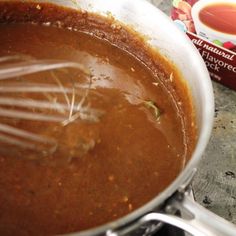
(134, 155)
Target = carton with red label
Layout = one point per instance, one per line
(211, 25)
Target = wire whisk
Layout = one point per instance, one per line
(45, 92)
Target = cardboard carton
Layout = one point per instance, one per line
(211, 25)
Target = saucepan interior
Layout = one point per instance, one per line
(160, 34)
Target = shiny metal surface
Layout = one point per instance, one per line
(166, 38)
(214, 184)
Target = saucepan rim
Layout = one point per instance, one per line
(206, 118)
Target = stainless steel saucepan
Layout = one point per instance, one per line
(163, 35)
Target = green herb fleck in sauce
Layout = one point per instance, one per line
(152, 106)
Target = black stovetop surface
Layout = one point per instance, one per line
(166, 230)
(169, 231)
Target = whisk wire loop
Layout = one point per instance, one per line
(24, 99)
